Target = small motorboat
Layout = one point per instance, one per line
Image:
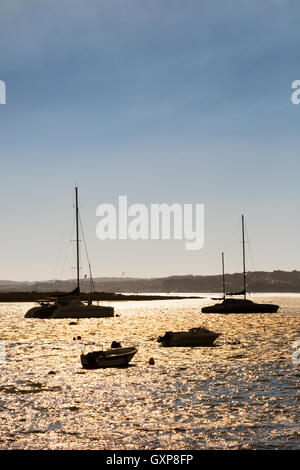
(114, 357)
(193, 337)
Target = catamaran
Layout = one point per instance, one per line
(69, 305)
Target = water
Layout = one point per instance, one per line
(241, 394)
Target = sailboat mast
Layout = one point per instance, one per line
(77, 239)
(244, 256)
(223, 272)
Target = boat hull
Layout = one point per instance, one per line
(74, 310)
(92, 311)
(117, 357)
(188, 339)
(40, 312)
(240, 307)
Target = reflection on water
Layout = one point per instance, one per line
(242, 393)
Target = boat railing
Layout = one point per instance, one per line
(107, 345)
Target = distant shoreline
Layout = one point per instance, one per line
(7, 297)
(97, 296)
(257, 281)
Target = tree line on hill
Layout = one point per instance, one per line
(257, 281)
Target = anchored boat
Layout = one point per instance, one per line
(114, 357)
(193, 337)
(240, 306)
(70, 305)
(244, 305)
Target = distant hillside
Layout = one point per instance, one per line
(258, 281)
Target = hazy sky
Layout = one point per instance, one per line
(162, 101)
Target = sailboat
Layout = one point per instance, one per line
(244, 305)
(70, 305)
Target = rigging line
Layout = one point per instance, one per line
(87, 256)
(62, 240)
(67, 251)
(234, 251)
(250, 258)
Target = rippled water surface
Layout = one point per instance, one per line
(242, 393)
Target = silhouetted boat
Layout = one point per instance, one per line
(230, 305)
(240, 306)
(193, 337)
(70, 305)
(114, 357)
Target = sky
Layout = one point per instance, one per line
(165, 101)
